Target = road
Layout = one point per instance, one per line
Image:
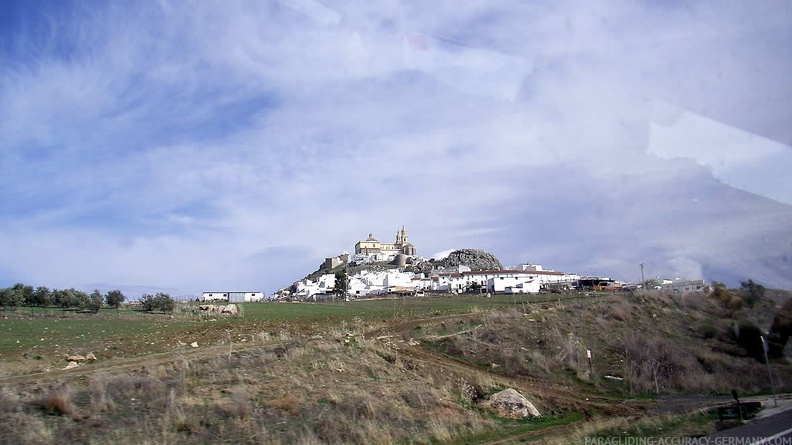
(771, 430)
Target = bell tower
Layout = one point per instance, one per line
(401, 237)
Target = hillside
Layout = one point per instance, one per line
(402, 370)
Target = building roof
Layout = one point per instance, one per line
(524, 272)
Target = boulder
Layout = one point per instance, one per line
(90, 356)
(511, 404)
(75, 358)
(475, 259)
(71, 365)
(231, 309)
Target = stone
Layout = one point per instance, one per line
(194, 344)
(75, 358)
(231, 309)
(90, 356)
(71, 365)
(511, 404)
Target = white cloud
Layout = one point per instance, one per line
(204, 145)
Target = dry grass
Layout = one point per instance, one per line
(323, 391)
(340, 386)
(661, 343)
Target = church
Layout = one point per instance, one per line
(371, 246)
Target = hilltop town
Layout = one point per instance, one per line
(379, 268)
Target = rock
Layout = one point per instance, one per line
(75, 358)
(194, 344)
(90, 356)
(475, 259)
(231, 309)
(511, 404)
(206, 307)
(71, 365)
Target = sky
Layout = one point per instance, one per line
(211, 145)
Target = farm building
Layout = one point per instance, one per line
(233, 297)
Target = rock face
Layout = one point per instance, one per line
(473, 258)
(511, 404)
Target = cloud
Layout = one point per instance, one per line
(238, 144)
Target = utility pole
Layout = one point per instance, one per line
(643, 280)
(770, 373)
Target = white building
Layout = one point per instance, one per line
(233, 296)
(682, 285)
(380, 282)
(523, 280)
(324, 284)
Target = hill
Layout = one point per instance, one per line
(402, 370)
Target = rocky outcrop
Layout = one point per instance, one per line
(511, 404)
(473, 258)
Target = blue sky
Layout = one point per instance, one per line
(185, 146)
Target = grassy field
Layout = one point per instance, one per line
(414, 370)
(48, 332)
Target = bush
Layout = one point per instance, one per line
(161, 302)
(747, 335)
(727, 298)
(751, 292)
(708, 330)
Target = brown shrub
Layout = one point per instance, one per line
(287, 403)
(57, 401)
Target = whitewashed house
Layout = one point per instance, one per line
(527, 278)
(306, 288)
(381, 282)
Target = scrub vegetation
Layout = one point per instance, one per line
(412, 370)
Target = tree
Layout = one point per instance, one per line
(114, 298)
(11, 297)
(94, 302)
(80, 298)
(160, 302)
(42, 297)
(26, 292)
(341, 284)
(165, 302)
(147, 302)
(752, 292)
(65, 298)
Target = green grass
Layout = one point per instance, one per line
(692, 425)
(25, 334)
(516, 428)
(52, 332)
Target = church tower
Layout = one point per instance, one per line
(401, 236)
